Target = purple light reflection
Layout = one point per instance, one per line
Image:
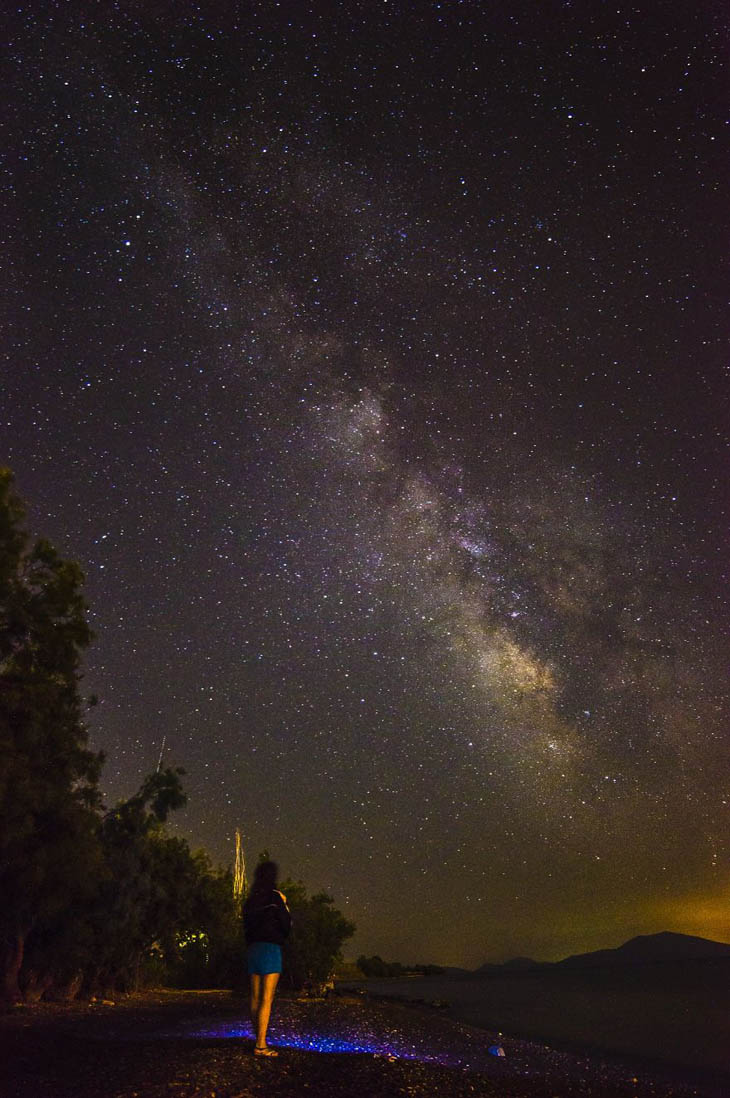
(325, 1042)
(349, 1038)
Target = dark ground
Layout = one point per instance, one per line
(197, 1045)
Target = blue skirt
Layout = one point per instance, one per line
(263, 958)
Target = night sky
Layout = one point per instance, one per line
(369, 358)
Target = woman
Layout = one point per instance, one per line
(266, 923)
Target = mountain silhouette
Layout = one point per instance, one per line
(644, 949)
(650, 948)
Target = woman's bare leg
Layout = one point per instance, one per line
(255, 999)
(267, 987)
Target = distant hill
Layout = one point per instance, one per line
(517, 964)
(650, 948)
(644, 949)
(520, 963)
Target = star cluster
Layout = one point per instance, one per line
(369, 358)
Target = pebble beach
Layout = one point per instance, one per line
(199, 1045)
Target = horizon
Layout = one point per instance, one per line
(540, 961)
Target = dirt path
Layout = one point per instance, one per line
(198, 1045)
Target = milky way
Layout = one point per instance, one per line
(370, 362)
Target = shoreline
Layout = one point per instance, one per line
(669, 1026)
(715, 1083)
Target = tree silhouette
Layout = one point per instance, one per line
(48, 776)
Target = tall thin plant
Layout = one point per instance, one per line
(239, 874)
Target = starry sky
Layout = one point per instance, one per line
(369, 357)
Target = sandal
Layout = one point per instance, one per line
(265, 1051)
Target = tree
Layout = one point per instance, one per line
(210, 950)
(152, 906)
(318, 933)
(375, 967)
(148, 885)
(48, 775)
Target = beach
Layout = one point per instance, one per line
(199, 1045)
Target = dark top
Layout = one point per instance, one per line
(266, 919)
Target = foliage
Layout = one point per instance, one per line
(154, 908)
(48, 776)
(146, 890)
(318, 932)
(375, 967)
(210, 952)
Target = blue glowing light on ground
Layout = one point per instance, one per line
(317, 1042)
(283, 1037)
(338, 1033)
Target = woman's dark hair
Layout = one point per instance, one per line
(264, 879)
